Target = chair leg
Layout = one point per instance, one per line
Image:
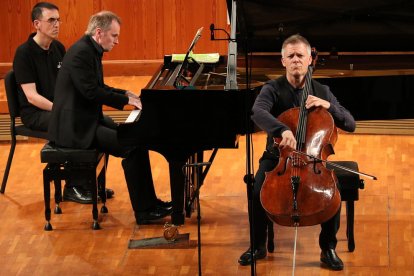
(104, 209)
(94, 185)
(9, 162)
(350, 225)
(46, 192)
(102, 184)
(58, 196)
(270, 237)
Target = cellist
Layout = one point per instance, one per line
(276, 97)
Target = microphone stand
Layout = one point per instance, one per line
(199, 180)
(249, 177)
(231, 84)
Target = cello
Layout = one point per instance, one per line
(300, 190)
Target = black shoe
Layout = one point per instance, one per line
(148, 216)
(77, 194)
(331, 260)
(246, 257)
(164, 204)
(109, 193)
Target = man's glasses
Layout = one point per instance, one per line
(53, 21)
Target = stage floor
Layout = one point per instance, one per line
(384, 217)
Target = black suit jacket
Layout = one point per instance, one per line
(79, 95)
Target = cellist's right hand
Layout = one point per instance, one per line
(288, 140)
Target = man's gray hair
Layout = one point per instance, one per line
(102, 20)
(294, 39)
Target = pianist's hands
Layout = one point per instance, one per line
(134, 100)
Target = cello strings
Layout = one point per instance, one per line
(301, 135)
(300, 138)
(301, 128)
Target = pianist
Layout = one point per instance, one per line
(77, 119)
(275, 97)
(36, 65)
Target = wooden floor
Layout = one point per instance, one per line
(383, 223)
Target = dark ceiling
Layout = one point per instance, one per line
(351, 25)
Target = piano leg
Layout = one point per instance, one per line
(176, 160)
(177, 179)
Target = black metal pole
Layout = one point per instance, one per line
(249, 178)
(196, 196)
(198, 168)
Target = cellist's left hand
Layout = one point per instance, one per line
(313, 101)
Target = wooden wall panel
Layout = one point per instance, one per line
(16, 25)
(75, 16)
(150, 28)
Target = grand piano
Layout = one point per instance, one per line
(182, 122)
(366, 52)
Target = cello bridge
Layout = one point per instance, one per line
(298, 161)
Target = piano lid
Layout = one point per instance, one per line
(345, 26)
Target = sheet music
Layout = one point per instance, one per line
(133, 116)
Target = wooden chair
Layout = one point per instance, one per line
(15, 129)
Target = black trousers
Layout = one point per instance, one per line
(327, 237)
(38, 120)
(136, 165)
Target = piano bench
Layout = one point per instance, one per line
(62, 164)
(348, 185)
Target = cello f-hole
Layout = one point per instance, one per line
(315, 169)
(284, 167)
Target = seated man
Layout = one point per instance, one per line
(77, 120)
(276, 97)
(36, 65)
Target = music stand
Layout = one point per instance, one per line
(185, 62)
